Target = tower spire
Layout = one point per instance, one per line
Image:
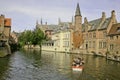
(77, 13)
(59, 20)
(85, 20)
(78, 19)
(37, 22)
(41, 21)
(72, 19)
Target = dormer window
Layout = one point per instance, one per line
(118, 29)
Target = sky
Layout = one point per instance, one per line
(25, 13)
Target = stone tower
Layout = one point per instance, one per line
(78, 19)
(77, 34)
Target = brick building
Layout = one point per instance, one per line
(114, 41)
(91, 36)
(5, 27)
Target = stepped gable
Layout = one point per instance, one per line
(115, 30)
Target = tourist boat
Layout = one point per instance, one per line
(77, 68)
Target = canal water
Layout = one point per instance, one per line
(36, 65)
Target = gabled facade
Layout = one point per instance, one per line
(5, 27)
(114, 41)
(86, 37)
(95, 34)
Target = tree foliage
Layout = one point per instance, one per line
(38, 36)
(31, 37)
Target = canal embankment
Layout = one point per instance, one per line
(4, 51)
(76, 51)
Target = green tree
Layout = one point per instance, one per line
(32, 37)
(38, 37)
(26, 37)
(21, 39)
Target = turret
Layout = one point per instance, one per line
(37, 22)
(112, 21)
(113, 17)
(85, 20)
(103, 16)
(113, 14)
(59, 20)
(72, 20)
(41, 21)
(46, 23)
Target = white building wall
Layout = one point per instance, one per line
(62, 42)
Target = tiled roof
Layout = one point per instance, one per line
(55, 28)
(52, 27)
(115, 29)
(8, 22)
(105, 24)
(64, 24)
(95, 24)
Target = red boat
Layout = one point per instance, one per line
(77, 68)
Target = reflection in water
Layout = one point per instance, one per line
(4, 66)
(36, 65)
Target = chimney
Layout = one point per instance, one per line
(72, 19)
(37, 22)
(59, 20)
(3, 16)
(103, 16)
(85, 20)
(41, 21)
(45, 23)
(113, 13)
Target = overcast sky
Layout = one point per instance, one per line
(24, 13)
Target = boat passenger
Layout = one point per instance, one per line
(77, 61)
(74, 63)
